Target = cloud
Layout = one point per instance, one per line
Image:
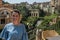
(29, 1)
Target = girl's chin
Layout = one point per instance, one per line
(14, 21)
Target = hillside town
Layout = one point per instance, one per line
(42, 20)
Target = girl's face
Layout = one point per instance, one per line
(15, 17)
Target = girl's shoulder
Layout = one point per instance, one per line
(9, 24)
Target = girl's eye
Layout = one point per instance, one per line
(15, 15)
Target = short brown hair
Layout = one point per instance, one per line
(17, 11)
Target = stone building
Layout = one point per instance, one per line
(34, 12)
(5, 13)
(44, 5)
(55, 5)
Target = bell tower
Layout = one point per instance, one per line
(1, 3)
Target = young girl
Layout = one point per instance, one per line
(14, 30)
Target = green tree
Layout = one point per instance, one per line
(45, 24)
(5, 2)
(24, 11)
(31, 20)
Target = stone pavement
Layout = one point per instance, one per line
(53, 38)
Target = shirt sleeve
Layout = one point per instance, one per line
(25, 34)
(3, 33)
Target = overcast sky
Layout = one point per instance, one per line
(29, 1)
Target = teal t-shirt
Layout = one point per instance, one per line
(14, 32)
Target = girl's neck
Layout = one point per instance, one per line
(16, 23)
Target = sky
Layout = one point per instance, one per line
(29, 1)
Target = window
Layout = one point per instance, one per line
(2, 21)
(5, 12)
(2, 12)
(36, 14)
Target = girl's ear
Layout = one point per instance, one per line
(20, 16)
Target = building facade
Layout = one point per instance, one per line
(5, 13)
(55, 4)
(34, 12)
